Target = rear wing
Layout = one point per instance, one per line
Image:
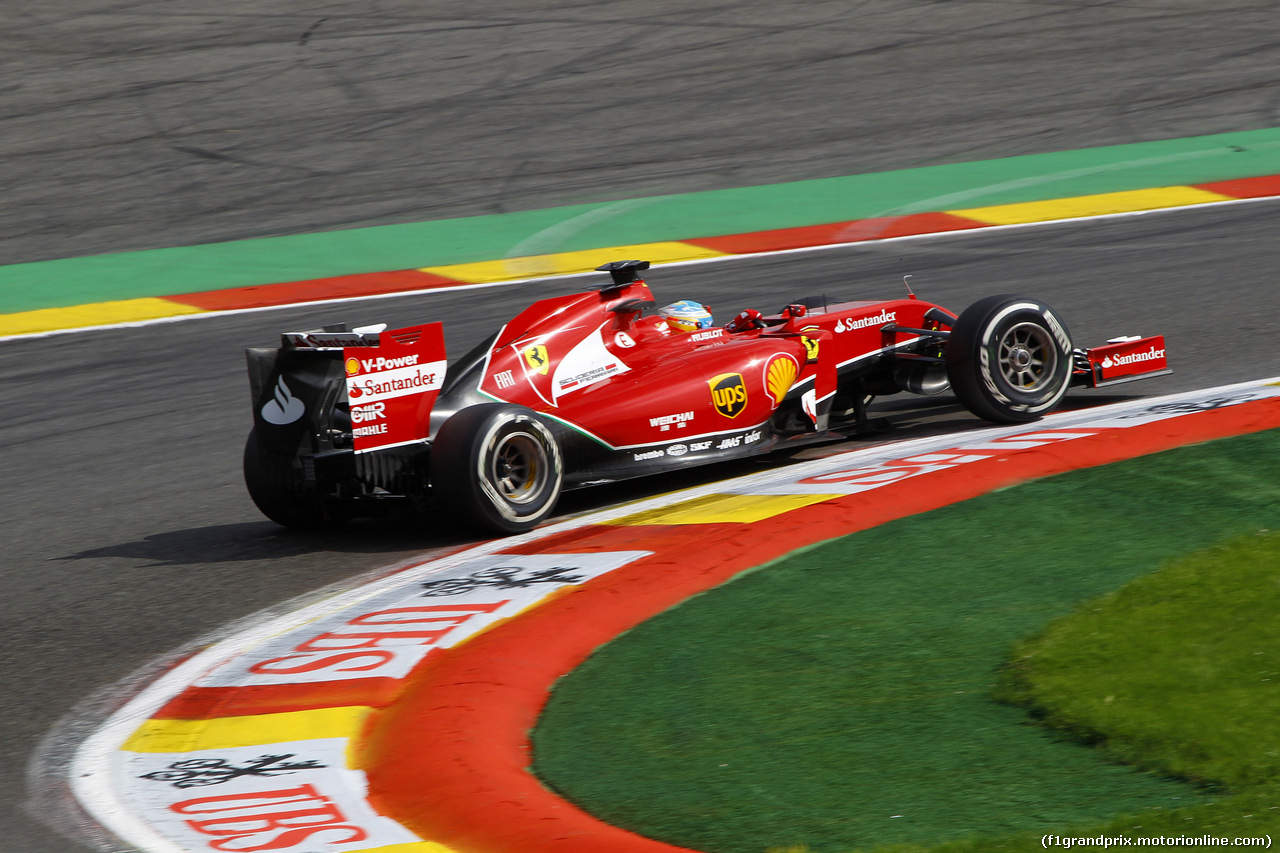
(392, 386)
(387, 381)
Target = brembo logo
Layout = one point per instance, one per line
(880, 319)
(373, 365)
(1152, 354)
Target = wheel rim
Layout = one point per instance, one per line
(519, 470)
(1027, 357)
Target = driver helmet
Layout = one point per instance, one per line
(687, 316)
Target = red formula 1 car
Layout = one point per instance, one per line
(587, 388)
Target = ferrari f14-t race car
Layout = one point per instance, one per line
(592, 388)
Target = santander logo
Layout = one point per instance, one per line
(885, 316)
(1133, 358)
(283, 408)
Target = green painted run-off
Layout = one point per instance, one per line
(1035, 177)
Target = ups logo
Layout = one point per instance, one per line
(729, 394)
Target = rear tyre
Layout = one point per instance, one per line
(268, 480)
(1009, 359)
(496, 467)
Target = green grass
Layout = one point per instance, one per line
(1178, 672)
(845, 698)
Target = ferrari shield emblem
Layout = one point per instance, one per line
(810, 347)
(536, 356)
(728, 394)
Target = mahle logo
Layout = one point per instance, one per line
(729, 394)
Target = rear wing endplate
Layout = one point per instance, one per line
(393, 384)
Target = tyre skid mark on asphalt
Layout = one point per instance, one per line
(516, 269)
(271, 731)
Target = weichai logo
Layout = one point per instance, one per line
(728, 394)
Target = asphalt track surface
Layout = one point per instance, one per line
(132, 124)
(126, 530)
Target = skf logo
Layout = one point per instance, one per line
(729, 394)
(810, 347)
(537, 357)
(353, 366)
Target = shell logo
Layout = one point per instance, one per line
(779, 375)
(353, 366)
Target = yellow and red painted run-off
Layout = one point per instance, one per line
(397, 717)
(693, 248)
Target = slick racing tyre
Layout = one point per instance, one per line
(1009, 359)
(496, 467)
(268, 480)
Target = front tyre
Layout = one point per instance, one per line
(497, 467)
(1009, 359)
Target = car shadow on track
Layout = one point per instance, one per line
(264, 540)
